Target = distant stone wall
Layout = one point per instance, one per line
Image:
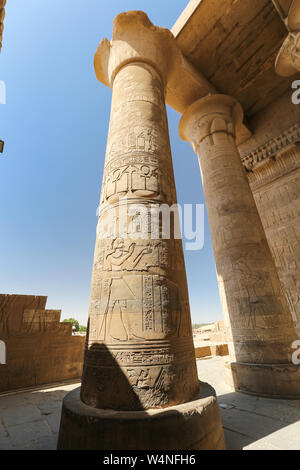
(39, 349)
(214, 332)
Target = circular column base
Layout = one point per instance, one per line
(264, 380)
(195, 425)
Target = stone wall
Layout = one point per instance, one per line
(272, 160)
(276, 188)
(39, 349)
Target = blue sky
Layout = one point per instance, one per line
(55, 126)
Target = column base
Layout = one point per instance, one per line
(195, 425)
(264, 380)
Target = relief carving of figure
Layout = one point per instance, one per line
(116, 323)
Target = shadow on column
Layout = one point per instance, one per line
(192, 425)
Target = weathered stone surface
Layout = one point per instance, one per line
(276, 190)
(254, 306)
(212, 350)
(234, 44)
(264, 380)
(191, 426)
(39, 349)
(139, 351)
(271, 158)
(270, 150)
(288, 59)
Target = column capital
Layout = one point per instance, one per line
(214, 113)
(136, 39)
(293, 21)
(288, 59)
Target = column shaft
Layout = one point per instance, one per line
(254, 307)
(139, 351)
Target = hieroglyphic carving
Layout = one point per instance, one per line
(122, 254)
(254, 305)
(272, 148)
(140, 180)
(137, 176)
(278, 202)
(135, 308)
(166, 353)
(148, 304)
(139, 309)
(19, 312)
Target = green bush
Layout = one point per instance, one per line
(74, 323)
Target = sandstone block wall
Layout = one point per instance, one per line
(39, 349)
(276, 188)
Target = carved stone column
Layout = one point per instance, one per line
(254, 306)
(288, 59)
(139, 350)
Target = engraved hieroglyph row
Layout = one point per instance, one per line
(144, 354)
(272, 148)
(152, 370)
(277, 167)
(136, 308)
(137, 176)
(138, 140)
(141, 255)
(137, 125)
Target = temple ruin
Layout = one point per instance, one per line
(231, 70)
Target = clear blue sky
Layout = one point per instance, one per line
(55, 127)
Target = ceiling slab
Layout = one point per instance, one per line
(234, 44)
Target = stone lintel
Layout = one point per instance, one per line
(272, 149)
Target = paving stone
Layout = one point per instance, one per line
(20, 414)
(235, 440)
(250, 423)
(25, 433)
(53, 421)
(47, 443)
(5, 443)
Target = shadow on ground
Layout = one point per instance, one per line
(30, 420)
(251, 422)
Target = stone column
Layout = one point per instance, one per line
(139, 310)
(288, 58)
(260, 324)
(139, 349)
